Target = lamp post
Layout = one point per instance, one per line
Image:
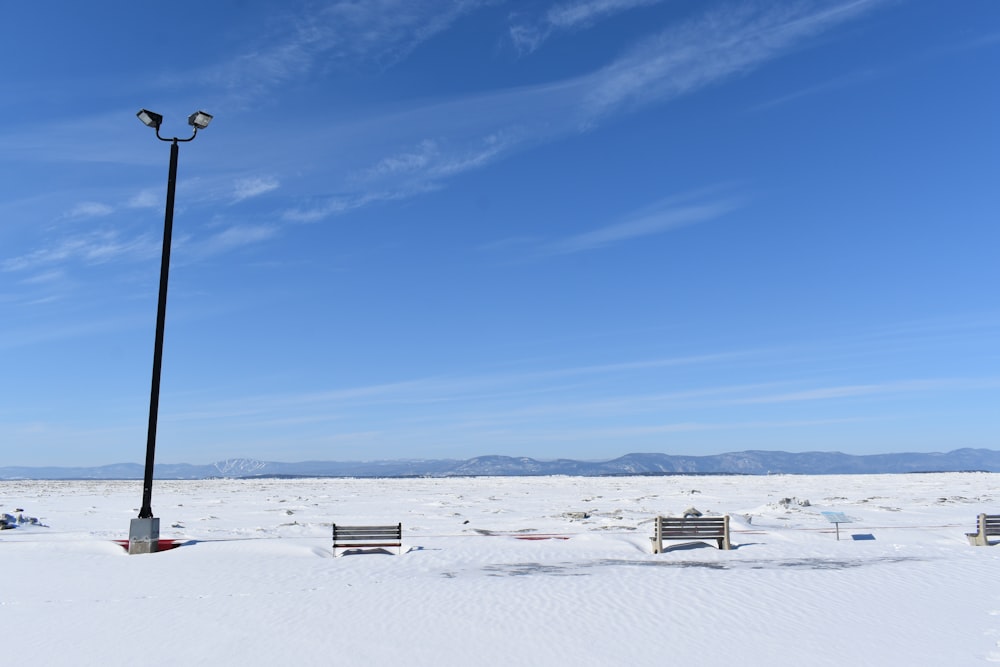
(144, 532)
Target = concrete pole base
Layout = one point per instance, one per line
(144, 536)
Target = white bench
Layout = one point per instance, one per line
(691, 527)
(367, 537)
(987, 524)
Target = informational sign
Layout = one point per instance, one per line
(837, 518)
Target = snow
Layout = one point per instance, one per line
(255, 582)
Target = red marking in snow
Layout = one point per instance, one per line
(161, 545)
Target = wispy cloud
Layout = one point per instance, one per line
(147, 198)
(724, 42)
(820, 88)
(347, 32)
(98, 247)
(231, 238)
(434, 160)
(386, 31)
(419, 149)
(417, 159)
(657, 219)
(66, 330)
(44, 278)
(319, 210)
(702, 205)
(528, 33)
(109, 246)
(421, 168)
(586, 12)
(868, 75)
(90, 209)
(876, 389)
(986, 40)
(578, 403)
(247, 188)
(677, 61)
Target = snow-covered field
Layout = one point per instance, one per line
(256, 583)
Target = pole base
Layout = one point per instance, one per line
(144, 536)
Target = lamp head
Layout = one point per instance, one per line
(150, 118)
(199, 120)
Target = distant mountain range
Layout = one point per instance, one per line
(741, 463)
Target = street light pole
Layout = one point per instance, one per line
(144, 532)
(146, 511)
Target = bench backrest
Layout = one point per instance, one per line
(707, 526)
(989, 524)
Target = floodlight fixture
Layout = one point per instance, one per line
(199, 120)
(150, 118)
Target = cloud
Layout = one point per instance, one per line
(386, 31)
(98, 247)
(229, 239)
(574, 14)
(870, 74)
(574, 403)
(820, 88)
(240, 236)
(658, 219)
(722, 43)
(433, 160)
(90, 209)
(471, 132)
(247, 188)
(407, 173)
(528, 35)
(878, 389)
(468, 388)
(66, 330)
(986, 40)
(147, 198)
(406, 162)
(46, 277)
(385, 157)
(379, 32)
(338, 205)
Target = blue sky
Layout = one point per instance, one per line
(429, 229)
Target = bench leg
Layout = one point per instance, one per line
(978, 539)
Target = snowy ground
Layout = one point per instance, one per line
(257, 584)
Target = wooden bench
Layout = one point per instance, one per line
(691, 527)
(988, 524)
(367, 537)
